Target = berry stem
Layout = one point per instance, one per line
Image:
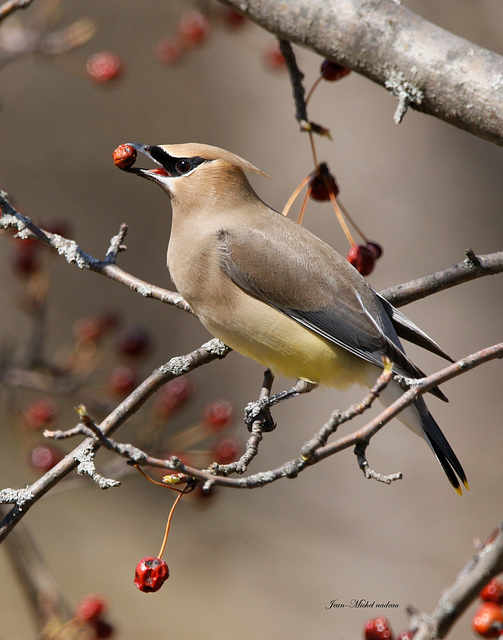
(311, 90)
(313, 148)
(342, 222)
(303, 207)
(168, 524)
(294, 195)
(353, 223)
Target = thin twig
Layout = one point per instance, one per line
(13, 5)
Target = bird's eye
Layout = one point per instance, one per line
(182, 166)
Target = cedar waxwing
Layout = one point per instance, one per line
(272, 291)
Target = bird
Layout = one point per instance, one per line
(274, 292)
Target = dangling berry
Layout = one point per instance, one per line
(225, 450)
(122, 381)
(493, 592)
(378, 629)
(26, 259)
(134, 342)
(88, 329)
(194, 28)
(103, 629)
(218, 415)
(375, 248)
(332, 71)
(322, 184)
(169, 50)
(41, 413)
(104, 66)
(273, 59)
(232, 19)
(362, 258)
(91, 607)
(151, 573)
(172, 397)
(45, 457)
(488, 620)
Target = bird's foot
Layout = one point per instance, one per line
(259, 411)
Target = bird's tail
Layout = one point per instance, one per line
(419, 420)
(440, 447)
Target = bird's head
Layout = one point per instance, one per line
(195, 173)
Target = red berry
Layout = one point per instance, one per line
(378, 629)
(232, 19)
(225, 450)
(169, 50)
(375, 248)
(151, 573)
(488, 620)
(361, 258)
(322, 184)
(194, 28)
(45, 457)
(273, 58)
(26, 259)
(41, 413)
(218, 415)
(88, 329)
(90, 607)
(122, 381)
(103, 629)
(110, 319)
(493, 592)
(134, 341)
(405, 635)
(104, 66)
(173, 396)
(332, 71)
(124, 156)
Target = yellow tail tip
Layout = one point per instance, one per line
(458, 489)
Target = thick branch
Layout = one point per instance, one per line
(424, 66)
(473, 267)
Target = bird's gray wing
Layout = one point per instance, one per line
(313, 285)
(407, 330)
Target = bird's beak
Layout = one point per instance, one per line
(150, 174)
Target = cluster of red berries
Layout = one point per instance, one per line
(90, 615)
(193, 30)
(380, 629)
(488, 619)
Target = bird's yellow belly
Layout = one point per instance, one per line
(287, 348)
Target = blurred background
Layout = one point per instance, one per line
(263, 563)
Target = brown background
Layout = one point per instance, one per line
(260, 563)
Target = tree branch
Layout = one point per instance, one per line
(316, 449)
(423, 65)
(478, 571)
(25, 498)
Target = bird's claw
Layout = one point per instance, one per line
(259, 411)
